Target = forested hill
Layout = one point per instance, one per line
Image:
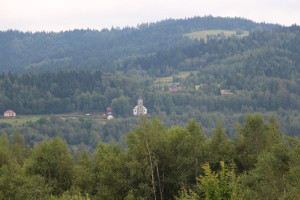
(64, 92)
(274, 53)
(106, 49)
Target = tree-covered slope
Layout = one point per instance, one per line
(104, 50)
(260, 72)
(274, 53)
(63, 91)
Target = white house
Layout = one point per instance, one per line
(109, 117)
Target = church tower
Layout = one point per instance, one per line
(140, 106)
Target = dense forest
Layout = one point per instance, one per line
(78, 132)
(158, 163)
(266, 53)
(63, 92)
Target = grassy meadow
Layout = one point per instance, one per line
(215, 33)
(21, 119)
(166, 81)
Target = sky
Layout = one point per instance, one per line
(61, 15)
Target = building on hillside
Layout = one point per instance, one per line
(226, 92)
(108, 111)
(109, 117)
(10, 114)
(140, 109)
(173, 88)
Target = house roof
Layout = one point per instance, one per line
(9, 111)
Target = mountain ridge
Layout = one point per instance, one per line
(92, 49)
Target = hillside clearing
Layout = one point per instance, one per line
(166, 81)
(215, 34)
(22, 119)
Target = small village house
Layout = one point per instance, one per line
(173, 88)
(10, 114)
(109, 117)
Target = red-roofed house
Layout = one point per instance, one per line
(173, 88)
(10, 114)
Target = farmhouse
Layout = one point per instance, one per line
(140, 109)
(10, 114)
(109, 117)
(173, 88)
(225, 92)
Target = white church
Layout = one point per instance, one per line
(140, 109)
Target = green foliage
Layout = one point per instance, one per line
(4, 150)
(63, 92)
(148, 160)
(121, 106)
(110, 172)
(83, 173)
(218, 186)
(213, 186)
(18, 148)
(220, 148)
(185, 194)
(256, 137)
(159, 163)
(52, 161)
(33, 187)
(189, 145)
(275, 175)
(72, 194)
(15, 184)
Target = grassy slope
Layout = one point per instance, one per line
(166, 81)
(23, 119)
(203, 34)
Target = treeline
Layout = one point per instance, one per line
(63, 91)
(104, 50)
(158, 163)
(79, 133)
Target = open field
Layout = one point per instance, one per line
(166, 81)
(214, 33)
(22, 119)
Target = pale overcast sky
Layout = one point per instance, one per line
(57, 15)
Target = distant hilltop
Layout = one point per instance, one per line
(101, 50)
